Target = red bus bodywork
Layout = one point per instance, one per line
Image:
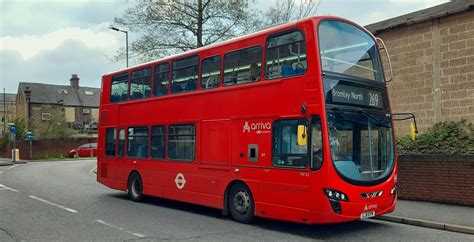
(219, 116)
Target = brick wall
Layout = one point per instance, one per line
(437, 178)
(46, 148)
(433, 64)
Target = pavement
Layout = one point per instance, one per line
(9, 162)
(452, 218)
(446, 217)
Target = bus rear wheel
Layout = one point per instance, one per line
(241, 203)
(135, 187)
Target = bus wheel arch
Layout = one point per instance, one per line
(239, 202)
(135, 186)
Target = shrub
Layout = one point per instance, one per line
(443, 138)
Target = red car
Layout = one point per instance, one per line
(85, 150)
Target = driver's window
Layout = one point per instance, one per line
(210, 72)
(287, 151)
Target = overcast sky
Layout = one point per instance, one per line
(48, 40)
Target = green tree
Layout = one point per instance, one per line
(20, 128)
(54, 128)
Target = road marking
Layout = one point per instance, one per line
(54, 204)
(3, 187)
(121, 229)
(13, 166)
(1, 172)
(93, 170)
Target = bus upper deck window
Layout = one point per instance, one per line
(285, 55)
(160, 81)
(119, 88)
(210, 72)
(184, 76)
(140, 84)
(242, 66)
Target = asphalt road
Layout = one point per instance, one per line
(61, 200)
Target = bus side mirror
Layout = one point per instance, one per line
(381, 45)
(302, 135)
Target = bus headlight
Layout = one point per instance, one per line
(335, 195)
(394, 190)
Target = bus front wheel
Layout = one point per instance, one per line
(135, 187)
(241, 203)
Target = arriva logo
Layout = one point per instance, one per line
(259, 128)
(246, 127)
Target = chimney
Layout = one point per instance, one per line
(74, 81)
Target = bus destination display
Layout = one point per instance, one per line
(356, 95)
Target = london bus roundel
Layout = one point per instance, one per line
(180, 181)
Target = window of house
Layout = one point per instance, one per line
(158, 140)
(140, 84)
(285, 55)
(160, 82)
(110, 142)
(181, 142)
(210, 72)
(119, 88)
(137, 145)
(286, 150)
(121, 143)
(184, 76)
(242, 66)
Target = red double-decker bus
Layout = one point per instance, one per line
(290, 123)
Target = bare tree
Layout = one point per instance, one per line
(167, 27)
(290, 10)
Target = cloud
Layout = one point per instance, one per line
(30, 45)
(56, 66)
(39, 17)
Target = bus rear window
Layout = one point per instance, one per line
(119, 88)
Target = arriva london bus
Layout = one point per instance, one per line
(290, 123)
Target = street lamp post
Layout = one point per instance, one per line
(126, 39)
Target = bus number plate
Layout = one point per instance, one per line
(367, 214)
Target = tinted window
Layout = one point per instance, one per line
(316, 144)
(109, 142)
(210, 72)
(286, 150)
(242, 66)
(158, 139)
(285, 55)
(181, 142)
(137, 145)
(160, 85)
(140, 84)
(121, 142)
(119, 88)
(185, 74)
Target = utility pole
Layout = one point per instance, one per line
(4, 112)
